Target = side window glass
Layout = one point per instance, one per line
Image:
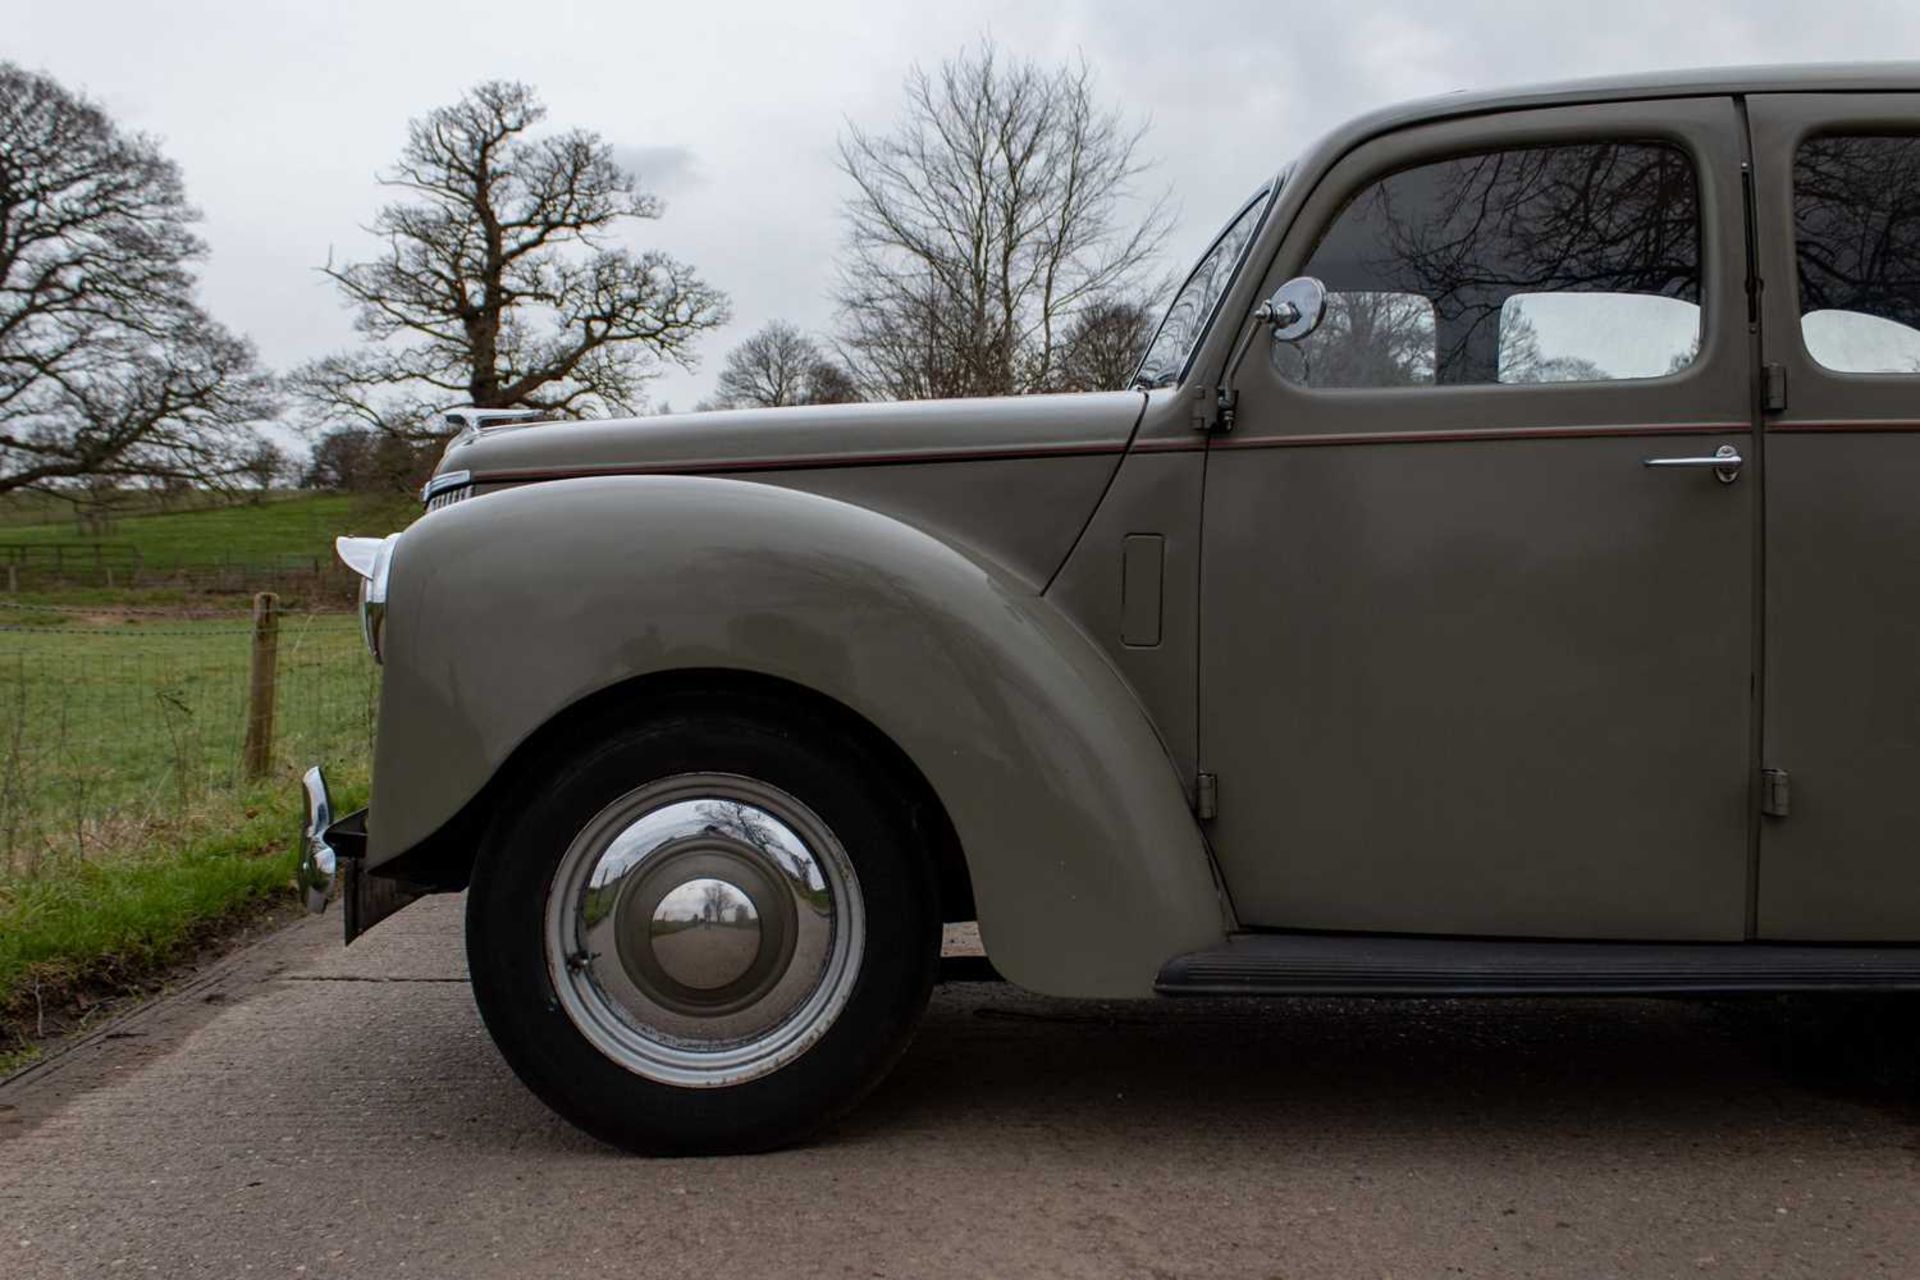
(1365, 340)
(1595, 337)
(1856, 234)
(1576, 263)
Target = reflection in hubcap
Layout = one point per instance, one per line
(705, 933)
(704, 929)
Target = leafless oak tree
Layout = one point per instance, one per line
(110, 372)
(500, 284)
(1002, 205)
(1103, 345)
(265, 465)
(352, 459)
(780, 365)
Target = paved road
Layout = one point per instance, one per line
(308, 1110)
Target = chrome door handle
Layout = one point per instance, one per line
(1725, 462)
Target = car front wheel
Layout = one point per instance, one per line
(706, 931)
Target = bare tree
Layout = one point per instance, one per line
(830, 382)
(779, 365)
(265, 464)
(1001, 206)
(109, 369)
(353, 459)
(1103, 345)
(1366, 338)
(499, 284)
(1377, 339)
(714, 900)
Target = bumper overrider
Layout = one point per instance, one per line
(334, 853)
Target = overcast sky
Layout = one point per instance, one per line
(281, 114)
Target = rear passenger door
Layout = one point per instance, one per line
(1838, 209)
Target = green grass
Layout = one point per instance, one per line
(29, 607)
(277, 529)
(126, 829)
(77, 915)
(102, 725)
(104, 925)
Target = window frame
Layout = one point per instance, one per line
(1264, 199)
(1327, 226)
(1816, 397)
(1705, 127)
(1791, 168)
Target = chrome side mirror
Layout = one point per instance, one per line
(1295, 309)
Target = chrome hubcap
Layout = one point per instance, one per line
(705, 934)
(704, 929)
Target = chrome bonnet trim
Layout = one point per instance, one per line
(445, 481)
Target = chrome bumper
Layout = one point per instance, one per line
(319, 860)
(334, 852)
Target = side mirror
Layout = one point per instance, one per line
(1295, 309)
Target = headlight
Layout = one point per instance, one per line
(372, 559)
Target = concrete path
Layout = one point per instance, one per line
(304, 1110)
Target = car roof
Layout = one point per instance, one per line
(1839, 77)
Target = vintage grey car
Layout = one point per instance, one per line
(1504, 577)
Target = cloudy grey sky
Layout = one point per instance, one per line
(280, 114)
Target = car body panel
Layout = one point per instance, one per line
(1469, 667)
(1087, 867)
(1156, 494)
(931, 465)
(978, 580)
(1843, 588)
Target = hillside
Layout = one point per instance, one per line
(283, 527)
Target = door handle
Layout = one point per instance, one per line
(1725, 462)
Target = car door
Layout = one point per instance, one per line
(1838, 179)
(1469, 666)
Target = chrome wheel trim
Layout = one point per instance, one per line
(704, 929)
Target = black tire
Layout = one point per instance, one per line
(835, 776)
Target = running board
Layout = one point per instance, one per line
(1272, 964)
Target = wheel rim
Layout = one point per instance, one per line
(704, 929)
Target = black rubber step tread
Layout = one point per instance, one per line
(1324, 964)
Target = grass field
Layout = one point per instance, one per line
(102, 723)
(82, 930)
(127, 831)
(279, 527)
(126, 827)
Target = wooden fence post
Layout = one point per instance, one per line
(258, 752)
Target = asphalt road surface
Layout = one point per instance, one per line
(304, 1110)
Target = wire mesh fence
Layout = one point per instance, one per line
(110, 720)
(315, 581)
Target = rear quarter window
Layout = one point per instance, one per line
(1856, 229)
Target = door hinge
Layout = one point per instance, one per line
(1224, 404)
(1206, 796)
(1776, 793)
(1773, 387)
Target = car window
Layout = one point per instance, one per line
(1365, 339)
(1856, 230)
(1573, 263)
(1856, 342)
(1192, 307)
(1595, 337)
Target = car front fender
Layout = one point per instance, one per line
(1088, 869)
